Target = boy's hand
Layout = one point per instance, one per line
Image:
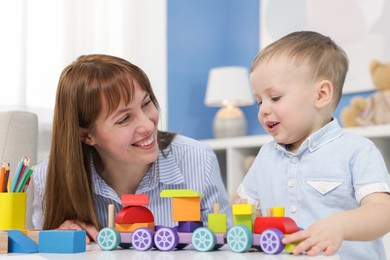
(323, 236)
(78, 225)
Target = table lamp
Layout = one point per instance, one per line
(228, 88)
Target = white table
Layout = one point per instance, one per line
(94, 252)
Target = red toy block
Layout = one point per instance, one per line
(135, 200)
(285, 224)
(134, 214)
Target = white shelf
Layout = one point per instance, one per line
(231, 152)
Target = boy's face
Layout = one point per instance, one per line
(287, 98)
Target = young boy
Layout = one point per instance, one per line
(334, 184)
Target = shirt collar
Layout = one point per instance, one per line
(326, 134)
(164, 170)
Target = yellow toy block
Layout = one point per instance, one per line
(186, 209)
(3, 242)
(242, 209)
(122, 228)
(182, 193)
(243, 214)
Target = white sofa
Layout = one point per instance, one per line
(18, 138)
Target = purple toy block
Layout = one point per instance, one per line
(62, 241)
(189, 226)
(19, 243)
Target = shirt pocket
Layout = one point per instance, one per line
(329, 192)
(324, 186)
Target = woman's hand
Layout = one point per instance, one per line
(78, 225)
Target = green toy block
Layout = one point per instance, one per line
(217, 222)
(180, 193)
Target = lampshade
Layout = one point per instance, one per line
(229, 87)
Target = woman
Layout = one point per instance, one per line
(106, 143)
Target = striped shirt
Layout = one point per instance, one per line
(184, 164)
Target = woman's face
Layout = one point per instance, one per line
(129, 134)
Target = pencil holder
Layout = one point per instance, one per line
(12, 210)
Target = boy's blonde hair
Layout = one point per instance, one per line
(324, 58)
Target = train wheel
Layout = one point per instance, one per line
(271, 241)
(166, 239)
(203, 239)
(239, 238)
(108, 239)
(142, 239)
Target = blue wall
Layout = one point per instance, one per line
(204, 34)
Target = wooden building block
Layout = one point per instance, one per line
(180, 193)
(34, 235)
(19, 243)
(3, 242)
(243, 220)
(135, 200)
(186, 209)
(121, 228)
(242, 209)
(134, 214)
(62, 241)
(217, 222)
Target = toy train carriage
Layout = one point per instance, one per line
(267, 231)
(134, 225)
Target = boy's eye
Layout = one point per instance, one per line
(275, 98)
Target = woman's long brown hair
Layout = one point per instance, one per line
(83, 87)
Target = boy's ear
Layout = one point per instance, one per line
(324, 93)
(85, 137)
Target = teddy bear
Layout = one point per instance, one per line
(374, 109)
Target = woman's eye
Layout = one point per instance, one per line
(123, 120)
(147, 103)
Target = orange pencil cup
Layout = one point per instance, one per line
(12, 210)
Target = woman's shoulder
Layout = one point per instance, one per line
(39, 174)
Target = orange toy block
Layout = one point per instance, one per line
(122, 228)
(186, 209)
(3, 242)
(135, 200)
(135, 214)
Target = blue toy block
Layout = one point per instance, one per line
(62, 241)
(20, 243)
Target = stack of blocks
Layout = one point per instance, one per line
(243, 215)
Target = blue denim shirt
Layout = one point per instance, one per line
(332, 171)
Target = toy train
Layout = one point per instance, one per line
(135, 227)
